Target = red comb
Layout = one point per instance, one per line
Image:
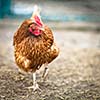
(38, 21)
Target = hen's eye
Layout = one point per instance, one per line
(32, 24)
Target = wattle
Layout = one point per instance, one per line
(36, 32)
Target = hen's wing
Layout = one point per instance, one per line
(53, 52)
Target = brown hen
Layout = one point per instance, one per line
(34, 45)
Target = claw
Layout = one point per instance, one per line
(34, 87)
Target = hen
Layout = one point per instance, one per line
(34, 46)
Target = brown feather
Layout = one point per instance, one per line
(32, 52)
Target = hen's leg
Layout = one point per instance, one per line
(35, 85)
(21, 71)
(45, 73)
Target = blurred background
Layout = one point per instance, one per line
(75, 22)
(76, 27)
(54, 10)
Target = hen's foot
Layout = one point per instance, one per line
(34, 87)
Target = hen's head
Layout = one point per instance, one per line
(36, 27)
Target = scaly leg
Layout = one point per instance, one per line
(45, 73)
(35, 85)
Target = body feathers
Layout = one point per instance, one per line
(31, 52)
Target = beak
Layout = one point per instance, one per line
(41, 28)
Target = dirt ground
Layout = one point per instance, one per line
(74, 75)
